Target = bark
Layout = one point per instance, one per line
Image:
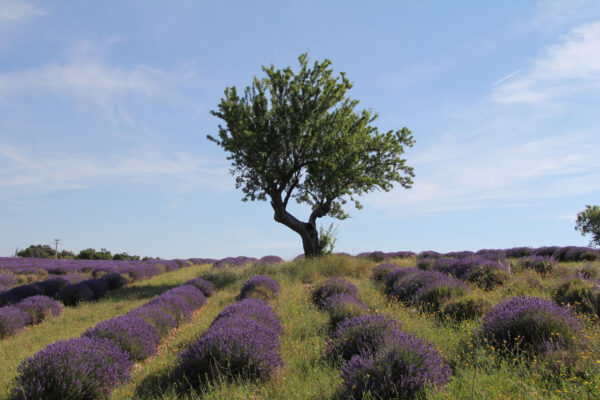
(307, 230)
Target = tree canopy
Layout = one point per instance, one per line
(298, 135)
(588, 222)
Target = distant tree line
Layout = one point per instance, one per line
(45, 251)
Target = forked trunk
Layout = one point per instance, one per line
(307, 230)
(310, 241)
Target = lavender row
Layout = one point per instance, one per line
(30, 311)
(377, 357)
(93, 365)
(526, 327)
(71, 288)
(241, 342)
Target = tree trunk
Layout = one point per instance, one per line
(307, 230)
(310, 241)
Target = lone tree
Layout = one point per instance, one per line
(297, 135)
(588, 221)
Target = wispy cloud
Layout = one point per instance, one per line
(553, 15)
(15, 10)
(33, 173)
(566, 69)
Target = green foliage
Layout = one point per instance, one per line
(298, 135)
(92, 254)
(580, 294)
(588, 222)
(327, 239)
(466, 308)
(37, 251)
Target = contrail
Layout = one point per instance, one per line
(506, 77)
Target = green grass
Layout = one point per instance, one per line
(75, 320)
(478, 372)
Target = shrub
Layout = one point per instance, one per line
(342, 306)
(518, 252)
(381, 271)
(433, 296)
(19, 293)
(7, 280)
(396, 275)
(52, 286)
(532, 325)
(361, 334)
(405, 288)
(39, 307)
(75, 294)
(466, 308)
(12, 320)
(330, 287)
(270, 260)
(488, 277)
(236, 346)
(134, 336)
(582, 295)
(221, 279)
(189, 293)
(589, 271)
(426, 263)
(82, 368)
(58, 271)
(114, 281)
(405, 369)
(156, 316)
(205, 286)
(256, 309)
(98, 286)
(260, 286)
(175, 305)
(541, 264)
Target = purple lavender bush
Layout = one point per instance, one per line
(189, 293)
(174, 305)
(531, 325)
(381, 271)
(19, 293)
(98, 286)
(270, 260)
(364, 334)
(114, 281)
(435, 295)
(405, 288)
(395, 276)
(205, 286)
(52, 286)
(260, 286)
(407, 368)
(72, 295)
(12, 320)
(82, 368)
(330, 287)
(136, 337)
(40, 307)
(7, 280)
(342, 306)
(236, 347)
(156, 316)
(256, 309)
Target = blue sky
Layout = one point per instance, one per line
(104, 110)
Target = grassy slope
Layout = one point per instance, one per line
(478, 374)
(75, 320)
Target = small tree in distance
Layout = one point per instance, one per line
(588, 221)
(297, 135)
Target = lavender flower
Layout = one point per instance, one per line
(531, 324)
(134, 336)
(156, 316)
(12, 320)
(406, 368)
(40, 307)
(205, 286)
(260, 286)
(381, 271)
(330, 287)
(256, 309)
(342, 306)
(72, 295)
(114, 281)
(189, 293)
(82, 368)
(361, 334)
(235, 347)
(175, 305)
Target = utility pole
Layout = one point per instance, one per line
(56, 248)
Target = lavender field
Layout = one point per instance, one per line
(514, 323)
